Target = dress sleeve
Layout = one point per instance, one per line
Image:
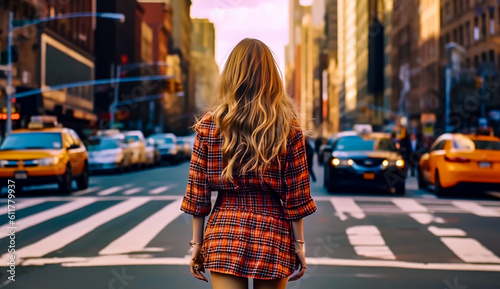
(296, 196)
(198, 194)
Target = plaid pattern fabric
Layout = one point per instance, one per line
(249, 233)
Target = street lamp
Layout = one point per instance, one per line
(18, 24)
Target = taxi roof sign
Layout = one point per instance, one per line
(42, 121)
(363, 128)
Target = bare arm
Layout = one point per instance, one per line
(298, 231)
(198, 224)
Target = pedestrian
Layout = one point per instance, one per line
(251, 149)
(415, 152)
(310, 158)
(317, 145)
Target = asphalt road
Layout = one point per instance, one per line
(126, 231)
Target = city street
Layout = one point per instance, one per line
(126, 231)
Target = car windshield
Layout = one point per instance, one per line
(131, 137)
(21, 141)
(103, 144)
(357, 143)
(487, 145)
(160, 139)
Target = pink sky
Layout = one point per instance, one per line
(266, 20)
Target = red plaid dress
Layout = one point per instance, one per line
(248, 233)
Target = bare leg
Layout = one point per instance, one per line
(227, 281)
(270, 284)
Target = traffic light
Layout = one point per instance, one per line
(479, 82)
(178, 87)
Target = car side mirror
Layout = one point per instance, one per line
(73, 146)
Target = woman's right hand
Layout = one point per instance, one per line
(300, 266)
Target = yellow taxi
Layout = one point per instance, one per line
(44, 153)
(460, 159)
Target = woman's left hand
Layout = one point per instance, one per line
(197, 273)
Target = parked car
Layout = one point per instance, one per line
(42, 154)
(153, 156)
(109, 153)
(456, 159)
(169, 149)
(185, 147)
(367, 160)
(137, 143)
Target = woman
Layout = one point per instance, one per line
(251, 150)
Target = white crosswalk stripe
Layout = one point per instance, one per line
(137, 238)
(19, 205)
(25, 223)
(132, 191)
(476, 209)
(71, 233)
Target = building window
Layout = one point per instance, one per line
(441, 16)
(461, 35)
(447, 11)
(467, 34)
(461, 5)
(492, 58)
(483, 26)
(476, 29)
(455, 8)
(455, 35)
(492, 20)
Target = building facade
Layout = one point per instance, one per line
(475, 26)
(203, 56)
(67, 42)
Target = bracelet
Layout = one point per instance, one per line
(300, 241)
(192, 243)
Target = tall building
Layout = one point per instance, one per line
(305, 63)
(415, 57)
(203, 56)
(67, 42)
(292, 51)
(120, 44)
(329, 78)
(475, 25)
(163, 112)
(181, 45)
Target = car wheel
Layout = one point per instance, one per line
(83, 180)
(121, 167)
(400, 189)
(422, 184)
(439, 190)
(65, 183)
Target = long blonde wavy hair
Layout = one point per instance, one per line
(254, 114)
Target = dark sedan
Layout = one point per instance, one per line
(365, 160)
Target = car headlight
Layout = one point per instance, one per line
(398, 163)
(3, 163)
(48, 161)
(342, 163)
